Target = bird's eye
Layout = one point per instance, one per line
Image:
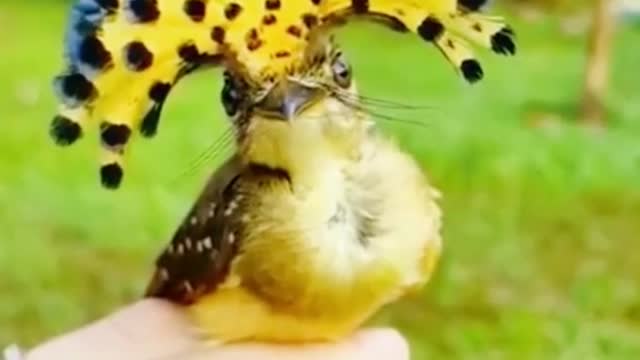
(231, 96)
(341, 71)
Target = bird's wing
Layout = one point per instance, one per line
(199, 256)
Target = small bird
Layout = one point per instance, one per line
(319, 219)
(123, 57)
(315, 223)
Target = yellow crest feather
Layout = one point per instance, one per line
(123, 56)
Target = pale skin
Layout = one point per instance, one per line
(154, 330)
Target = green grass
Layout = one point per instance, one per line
(541, 232)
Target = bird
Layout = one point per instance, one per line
(316, 222)
(122, 58)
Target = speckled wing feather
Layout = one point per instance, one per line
(199, 256)
(201, 253)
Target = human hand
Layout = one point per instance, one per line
(155, 330)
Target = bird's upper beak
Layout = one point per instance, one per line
(286, 100)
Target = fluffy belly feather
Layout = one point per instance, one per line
(357, 241)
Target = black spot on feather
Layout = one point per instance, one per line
(218, 34)
(111, 175)
(295, 31)
(158, 93)
(195, 9)
(269, 19)
(502, 42)
(189, 52)
(144, 10)
(64, 131)
(272, 4)
(115, 134)
(149, 125)
(93, 53)
(430, 29)
(471, 70)
(137, 56)
(360, 6)
(310, 20)
(232, 11)
(75, 87)
(253, 39)
(472, 5)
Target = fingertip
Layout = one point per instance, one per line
(369, 344)
(155, 309)
(383, 344)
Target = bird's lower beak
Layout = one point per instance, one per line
(288, 100)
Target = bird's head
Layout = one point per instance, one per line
(292, 117)
(123, 57)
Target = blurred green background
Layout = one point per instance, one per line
(542, 212)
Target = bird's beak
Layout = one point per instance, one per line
(287, 100)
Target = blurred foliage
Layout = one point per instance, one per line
(541, 216)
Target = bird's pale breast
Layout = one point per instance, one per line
(316, 264)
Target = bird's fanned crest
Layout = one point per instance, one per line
(124, 56)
